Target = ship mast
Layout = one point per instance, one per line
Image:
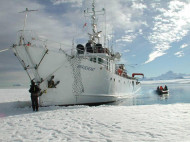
(26, 13)
(94, 25)
(95, 34)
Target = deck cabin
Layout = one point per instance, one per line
(98, 54)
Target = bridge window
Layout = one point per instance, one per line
(100, 60)
(93, 59)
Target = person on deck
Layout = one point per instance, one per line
(120, 71)
(51, 83)
(34, 90)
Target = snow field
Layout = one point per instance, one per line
(90, 124)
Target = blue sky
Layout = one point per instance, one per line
(153, 35)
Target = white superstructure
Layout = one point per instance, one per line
(87, 76)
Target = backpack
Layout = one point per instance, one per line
(34, 89)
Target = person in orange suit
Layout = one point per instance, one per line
(161, 88)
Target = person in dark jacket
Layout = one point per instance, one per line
(34, 90)
(165, 87)
(51, 83)
(158, 88)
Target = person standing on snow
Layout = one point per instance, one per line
(34, 90)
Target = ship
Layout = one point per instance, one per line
(87, 74)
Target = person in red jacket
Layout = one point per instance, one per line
(161, 88)
(119, 71)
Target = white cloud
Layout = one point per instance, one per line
(154, 55)
(179, 54)
(140, 32)
(126, 50)
(123, 16)
(170, 26)
(127, 38)
(119, 14)
(184, 46)
(138, 5)
(74, 3)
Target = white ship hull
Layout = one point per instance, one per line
(81, 81)
(88, 76)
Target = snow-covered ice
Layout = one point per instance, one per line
(104, 123)
(173, 81)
